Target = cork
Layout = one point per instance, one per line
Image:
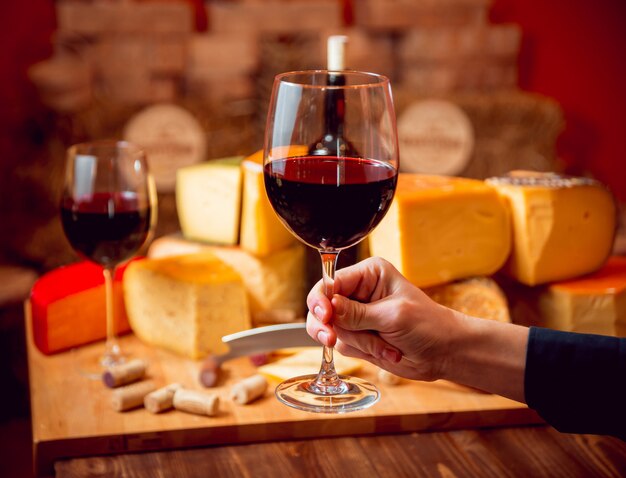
(248, 389)
(124, 374)
(199, 403)
(161, 399)
(131, 396)
(209, 372)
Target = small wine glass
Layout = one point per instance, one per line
(330, 166)
(108, 210)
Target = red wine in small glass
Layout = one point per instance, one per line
(330, 169)
(108, 212)
(106, 228)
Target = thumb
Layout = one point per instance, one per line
(354, 315)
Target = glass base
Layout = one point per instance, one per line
(92, 364)
(350, 395)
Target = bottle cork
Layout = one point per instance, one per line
(131, 396)
(161, 399)
(200, 403)
(388, 378)
(249, 389)
(125, 373)
(209, 372)
(336, 52)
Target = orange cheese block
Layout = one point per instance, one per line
(68, 307)
(595, 303)
(439, 229)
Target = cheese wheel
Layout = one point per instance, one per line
(562, 227)
(185, 304)
(595, 303)
(68, 307)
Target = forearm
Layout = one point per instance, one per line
(487, 355)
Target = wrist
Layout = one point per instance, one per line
(488, 355)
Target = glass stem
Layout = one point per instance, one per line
(327, 378)
(112, 352)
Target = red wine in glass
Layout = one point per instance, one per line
(106, 228)
(330, 202)
(330, 169)
(108, 210)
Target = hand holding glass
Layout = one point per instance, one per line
(330, 166)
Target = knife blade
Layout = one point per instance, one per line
(265, 339)
(255, 341)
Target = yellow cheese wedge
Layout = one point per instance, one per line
(185, 304)
(275, 283)
(208, 200)
(595, 303)
(477, 296)
(307, 362)
(562, 227)
(439, 229)
(262, 233)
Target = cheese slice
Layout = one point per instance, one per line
(477, 296)
(562, 227)
(275, 284)
(208, 200)
(307, 362)
(68, 307)
(262, 233)
(595, 303)
(440, 228)
(185, 304)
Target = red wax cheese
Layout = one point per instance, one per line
(68, 307)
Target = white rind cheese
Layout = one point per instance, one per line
(208, 200)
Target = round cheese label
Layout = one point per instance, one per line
(171, 137)
(435, 137)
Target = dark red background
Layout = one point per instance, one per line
(573, 51)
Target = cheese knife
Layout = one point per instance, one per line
(255, 341)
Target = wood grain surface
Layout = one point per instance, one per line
(536, 451)
(72, 415)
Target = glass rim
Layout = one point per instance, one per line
(87, 147)
(381, 80)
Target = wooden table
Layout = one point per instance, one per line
(531, 451)
(442, 431)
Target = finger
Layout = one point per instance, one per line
(318, 303)
(404, 368)
(350, 351)
(369, 343)
(354, 315)
(366, 280)
(323, 333)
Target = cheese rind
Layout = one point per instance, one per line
(208, 200)
(440, 229)
(261, 233)
(275, 284)
(594, 304)
(185, 304)
(68, 307)
(562, 227)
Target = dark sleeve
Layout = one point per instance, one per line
(577, 382)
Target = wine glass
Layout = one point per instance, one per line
(330, 167)
(108, 211)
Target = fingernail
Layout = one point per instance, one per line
(392, 355)
(318, 312)
(322, 337)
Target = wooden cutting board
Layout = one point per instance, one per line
(72, 416)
